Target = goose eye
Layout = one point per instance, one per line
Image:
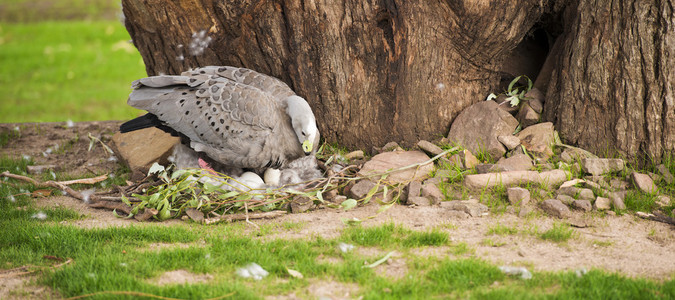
(303, 133)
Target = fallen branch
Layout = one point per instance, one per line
(656, 216)
(239, 217)
(85, 180)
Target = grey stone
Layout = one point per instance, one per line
(411, 190)
(527, 116)
(643, 182)
(339, 199)
(579, 193)
(484, 168)
(602, 203)
(397, 159)
(572, 155)
(358, 154)
(567, 200)
(618, 184)
(665, 173)
(301, 204)
(456, 161)
(330, 195)
(434, 180)
(617, 200)
(535, 98)
(518, 162)
(509, 141)
(419, 201)
(663, 200)
(360, 189)
(513, 178)
(538, 139)
(478, 126)
(432, 192)
(448, 174)
(584, 205)
(556, 208)
(600, 166)
(655, 177)
(429, 147)
(470, 207)
(518, 195)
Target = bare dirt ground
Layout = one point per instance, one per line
(624, 244)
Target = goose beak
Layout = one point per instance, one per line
(307, 147)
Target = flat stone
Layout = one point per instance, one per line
(477, 127)
(601, 166)
(556, 208)
(643, 183)
(411, 190)
(429, 147)
(513, 178)
(602, 203)
(584, 205)
(572, 182)
(538, 139)
(571, 155)
(527, 116)
(518, 196)
(567, 200)
(419, 201)
(509, 141)
(358, 154)
(360, 189)
(579, 193)
(665, 174)
(518, 162)
(139, 149)
(301, 204)
(432, 192)
(397, 159)
(468, 159)
(470, 207)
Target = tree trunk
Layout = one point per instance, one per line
(613, 86)
(373, 71)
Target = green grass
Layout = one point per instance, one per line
(50, 10)
(55, 71)
(559, 233)
(500, 229)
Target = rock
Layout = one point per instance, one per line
(448, 174)
(195, 214)
(506, 105)
(432, 192)
(618, 184)
(478, 126)
(358, 154)
(456, 214)
(429, 148)
(456, 161)
(512, 178)
(665, 173)
(524, 211)
(470, 207)
(360, 189)
(579, 193)
(571, 155)
(663, 201)
(527, 116)
(567, 200)
(556, 208)
(518, 162)
(572, 182)
(656, 178)
(39, 169)
(484, 168)
(468, 159)
(535, 98)
(139, 149)
(330, 195)
(602, 203)
(301, 204)
(391, 146)
(584, 205)
(397, 159)
(419, 201)
(643, 183)
(518, 196)
(509, 141)
(411, 190)
(617, 200)
(601, 166)
(538, 139)
(339, 199)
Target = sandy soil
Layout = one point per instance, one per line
(623, 244)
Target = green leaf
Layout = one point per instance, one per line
(380, 261)
(514, 100)
(156, 168)
(529, 84)
(513, 82)
(348, 204)
(125, 200)
(492, 96)
(351, 222)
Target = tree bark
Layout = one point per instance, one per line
(373, 71)
(613, 87)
